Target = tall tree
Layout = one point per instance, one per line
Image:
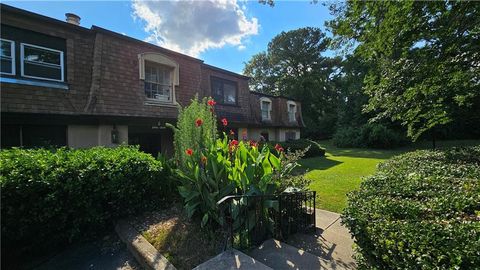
(294, 66)
(424, 58)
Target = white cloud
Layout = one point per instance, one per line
(193, 26)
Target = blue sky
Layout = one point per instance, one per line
(218, 41)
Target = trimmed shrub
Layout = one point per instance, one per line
(368, 135)
(315, 149)
(52, 197)
(420, 210)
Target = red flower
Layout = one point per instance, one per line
(233, 144)
(189, 152)
(278, 147)
(224, 122)
(253, 143)
(204, 159)
(198, 122)
(211, 102)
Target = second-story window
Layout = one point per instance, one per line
(7, 54)
(224, 91)
(41, 63)
(292, 111)
(158, 82)
(266, 108)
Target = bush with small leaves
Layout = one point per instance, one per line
(420, 210)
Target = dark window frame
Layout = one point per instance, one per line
(223, 81)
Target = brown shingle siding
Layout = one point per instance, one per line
(102, 74)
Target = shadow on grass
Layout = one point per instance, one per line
(316, 163)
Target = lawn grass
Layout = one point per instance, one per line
(342, 169)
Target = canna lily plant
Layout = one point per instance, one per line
(214, 168)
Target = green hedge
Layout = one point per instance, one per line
(368, 136)
(51, 197)
(315, 149)
(420, 210)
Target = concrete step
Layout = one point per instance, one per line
(334, 249)
(279, 256)
(230, 260)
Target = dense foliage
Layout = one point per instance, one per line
(368, 135)
(225, 166)
(191, 136)
(313, 149)
(294, 65)
(423, 59)
(420, 210)
(51, 197)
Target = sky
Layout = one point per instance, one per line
(223, 33)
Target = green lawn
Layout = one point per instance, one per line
(342, 170)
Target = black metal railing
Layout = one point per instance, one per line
(248, 220)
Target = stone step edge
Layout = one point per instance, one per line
(259, 264)
(146, 254)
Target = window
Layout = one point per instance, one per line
(265, 108)
(292, 111)
(224, 91)
(290, 135)
(160, 75)
(158, 82)
(7, 54)
(41, 63)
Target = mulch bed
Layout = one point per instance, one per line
(181, 240)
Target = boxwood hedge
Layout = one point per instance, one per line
(315, 149)
(420, 210)
(51, 197)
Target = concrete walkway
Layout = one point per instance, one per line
(332, 242)
(329, 248)
(108, 253)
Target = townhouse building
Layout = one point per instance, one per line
(63, 84)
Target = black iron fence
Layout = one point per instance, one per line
(248, 220)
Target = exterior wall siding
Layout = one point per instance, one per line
(104, 87)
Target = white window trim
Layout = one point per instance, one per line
(12, 50)
(265, 99)
(289, 102)
(162, 60)
(22, 62)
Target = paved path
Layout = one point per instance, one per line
(108, 253)
(329, 248)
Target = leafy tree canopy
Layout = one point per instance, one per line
(424, 58)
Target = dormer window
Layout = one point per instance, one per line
(158, 82)
(292, 111)
(160, 75)
(266, 108)
(7, 53)
(224, 91)
(41, 63)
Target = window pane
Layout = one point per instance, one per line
(265, 105)
(6, 66)
(217, 91)
(41, 55)
(229, 93)
(41, 71)
(6, 49)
